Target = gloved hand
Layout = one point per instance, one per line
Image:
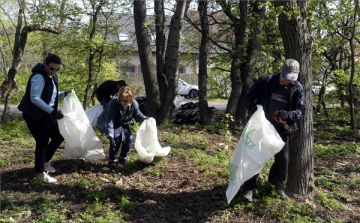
(57, 114)
(253, 108)
(66, 93)
(284, 115)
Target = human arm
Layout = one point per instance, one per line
(138, 115)
(297, 110)
(252, 96)
(37, 87)
(63, 94)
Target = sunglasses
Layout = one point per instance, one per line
(52, 69)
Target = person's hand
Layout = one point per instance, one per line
(66, 93)
(253, 108)
(112, 142)
(284, 115)
(57, 114)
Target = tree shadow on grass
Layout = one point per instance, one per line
(146, 206)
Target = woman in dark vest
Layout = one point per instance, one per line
(39, 107)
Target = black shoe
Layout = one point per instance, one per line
(282, 194)
(112, 165)
(123, 161)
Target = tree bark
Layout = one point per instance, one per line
(92, 52)
(298, 45)
(205, 114)
(160, 47)
(248, 63)
(147, 66)
(172, 57)
(352, 58)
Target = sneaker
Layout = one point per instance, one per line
(123, 161)
(46, 178)
(282, 194)
(49, 168)
(248, 195)
(112, 165)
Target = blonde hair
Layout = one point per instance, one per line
(125, 92)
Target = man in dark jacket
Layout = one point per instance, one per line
(107, 90)
(283, 101)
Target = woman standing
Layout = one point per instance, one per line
(114, 121)
(39, 107)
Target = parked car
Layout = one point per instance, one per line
(317, 86)
(187, 90)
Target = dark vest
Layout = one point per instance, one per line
(27, 107)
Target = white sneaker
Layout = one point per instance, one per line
(49, 168)
(46, 178)
(248, 195)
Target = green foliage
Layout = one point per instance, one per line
(329, 151)
(151, 171)
(330, 203)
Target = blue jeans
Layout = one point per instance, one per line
(125, 146)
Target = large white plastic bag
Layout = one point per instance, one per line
(258, 143)
(80, 138)
(93, 113)
(146, 142)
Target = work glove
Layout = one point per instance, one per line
(253, 108)
(66, 93)
(284, 115)
(57, 114)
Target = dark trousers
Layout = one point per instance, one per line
(43, 130)
(278, 171)
(125, 146)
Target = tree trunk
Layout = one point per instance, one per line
(147, 66)
(352, 57)
(239, 27)
(160, 47)
(172, 57)
(205, 115)
(298, 44)
(9, 86)
(94, 19)
(248, 64)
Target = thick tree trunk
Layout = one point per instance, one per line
(147, 66)
(172, 57)
(248, 64)
(298, 44)
(205, 115)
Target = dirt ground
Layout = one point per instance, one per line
(180, 194)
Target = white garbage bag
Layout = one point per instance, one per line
(80, 138)
(258, 143)
(93, 113)
(146, 142)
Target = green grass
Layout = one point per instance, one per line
(93, 194)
